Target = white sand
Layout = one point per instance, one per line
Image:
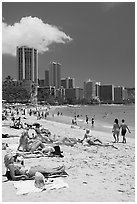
(95, 173)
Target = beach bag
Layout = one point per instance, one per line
(8, 175)
(57, 151)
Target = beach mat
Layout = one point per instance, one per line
(36, 154)
(27, 186)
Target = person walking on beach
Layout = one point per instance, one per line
(92, 122)
(124, 129)
(116, 130)
(86, 119)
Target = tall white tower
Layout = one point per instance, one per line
(55, 75)
(27, 64)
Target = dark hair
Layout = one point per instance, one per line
(123, 120)
(116, 121)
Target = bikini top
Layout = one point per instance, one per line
(19, 169)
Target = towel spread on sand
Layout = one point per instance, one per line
(27, 186)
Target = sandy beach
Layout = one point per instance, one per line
(95, 174)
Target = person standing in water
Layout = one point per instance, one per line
(116, 130)
(124, 129)
(86, 119)
(92, 122)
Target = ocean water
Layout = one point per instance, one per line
(104, 114)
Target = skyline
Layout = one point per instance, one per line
(100, 44)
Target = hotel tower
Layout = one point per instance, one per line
(27, 64)
(55, 75)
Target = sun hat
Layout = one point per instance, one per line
(39, 180)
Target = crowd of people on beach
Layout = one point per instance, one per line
(35, 139)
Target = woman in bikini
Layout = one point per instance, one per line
(30, 145)
(17, 171)
(116, 130)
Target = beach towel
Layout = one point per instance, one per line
(37, 154)
(27, 186)
(28, 155)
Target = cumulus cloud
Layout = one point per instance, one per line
(31, 32)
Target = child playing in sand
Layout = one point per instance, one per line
(124, 129)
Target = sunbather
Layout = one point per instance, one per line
(30, 144)
(44, 136)
(91, 140)
(17, 124)
(17, 171)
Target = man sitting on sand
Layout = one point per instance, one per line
(90, 139)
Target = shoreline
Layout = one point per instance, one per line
(98, 126)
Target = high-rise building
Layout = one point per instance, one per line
(41, 82)
(119, 94)
(27, 64)
(68, 83)
(71, 82)
(55, 75)
(64, 83)
(89, 90)
(46, 77)
(45, 92)
(74, 94)
(107, 93)
(97, 89)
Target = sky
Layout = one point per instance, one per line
(91, 40)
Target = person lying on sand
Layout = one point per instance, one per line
(17, 171)
(68, 141)
(91, 140)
